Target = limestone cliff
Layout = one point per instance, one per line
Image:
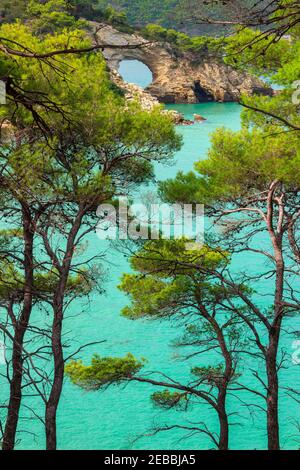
(147, 101)
(177, 78)
(133, 92)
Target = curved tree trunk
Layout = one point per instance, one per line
(56, 337)
(276, 230)
(223, 386)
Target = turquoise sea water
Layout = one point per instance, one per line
(113, 418)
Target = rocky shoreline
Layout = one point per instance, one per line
(148, 102)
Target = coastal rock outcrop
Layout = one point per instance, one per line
(176, 77)
(133, 92)
(147, 101)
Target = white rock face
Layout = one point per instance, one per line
(147, 101)
(133, 92)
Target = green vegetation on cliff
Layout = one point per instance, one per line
(178, 14)
(61, 13)
(181, 41)
(138, 13)
(56, 15)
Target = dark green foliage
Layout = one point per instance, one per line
(121, 13)
(179, 14)
(97, 10)
(53, 15)
(183, 42)
(12, 9)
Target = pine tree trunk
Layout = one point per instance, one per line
(224, 429)
(54, 397)
(276, 236)
(20, 328)
(56, 340)
(272, 401)
(15, 394)
(271, 358)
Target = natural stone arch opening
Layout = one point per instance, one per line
(135, 71)
(177, 78)
(201, 94)
(116, 57)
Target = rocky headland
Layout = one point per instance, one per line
(177, 77)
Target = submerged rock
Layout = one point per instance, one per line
(199, 118)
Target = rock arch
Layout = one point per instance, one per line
(176, 79)
(116, 59)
